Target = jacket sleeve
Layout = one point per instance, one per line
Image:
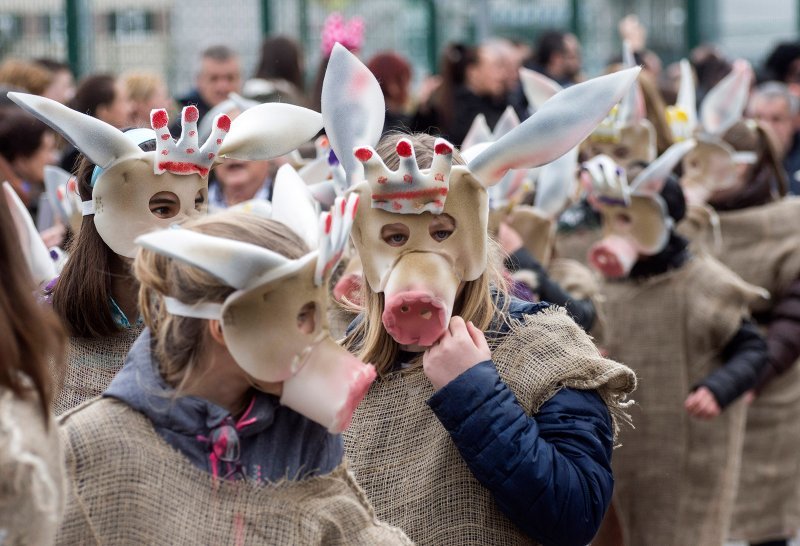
(582, 311)
(745, 357)
(549, 473)
(783, 335)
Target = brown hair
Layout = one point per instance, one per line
(21, 134)
(481, 301)
(92, 92)
(393, 74)
(281, 59)
(32, 337)
(179, 340)
(81, 296)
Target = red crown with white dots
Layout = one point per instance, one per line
(408, 190)
(185, 156)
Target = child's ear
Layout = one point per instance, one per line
(215, 329)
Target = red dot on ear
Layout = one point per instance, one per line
(363, 154)
(224, 123)
(190, 114)
(442, 149)
(159, 119)
(404, 148)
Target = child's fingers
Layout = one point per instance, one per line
(477, 336)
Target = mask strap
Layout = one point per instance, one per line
(745, 157)
(87, 208)
(203, 310)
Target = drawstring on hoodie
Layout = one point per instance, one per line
(223, 441)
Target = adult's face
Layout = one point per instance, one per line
(241, 179)
(31, 168)
(118, 111)
(775, 114)
(217, 79)
(571, 57)
(487, 76)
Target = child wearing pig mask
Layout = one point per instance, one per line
(206, 436)
(493, 420)
(681, 322)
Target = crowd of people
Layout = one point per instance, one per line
(508, 305)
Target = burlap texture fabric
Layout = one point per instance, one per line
(575, 245)
(580, 282)
(675, 475)
(762, 244)
(127, 486)
(412, 471)
(90, 366)
(31, 473)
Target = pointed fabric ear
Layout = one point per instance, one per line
(294, 205)
(632, 108)
(687, 95)
(507, 122)
(478, 133)
(559, 125)
(652, 178)
(235, 263)
(353, 108)
(537, 87)
(100, 142)
(269, 130)
(556, 183)
(40, 264)
(725, 102)
(55, 184)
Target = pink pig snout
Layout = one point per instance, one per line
(419, 297)
(613, 256)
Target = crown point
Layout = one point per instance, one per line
(191, 114)
(442, 148)
(159, 119)
(363, 154)
(404, 148)
(224, 123)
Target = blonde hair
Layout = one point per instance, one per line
(180, 340)
(140, 86)
(481, 301)
(29, 76)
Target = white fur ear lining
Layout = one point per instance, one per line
(723, 105)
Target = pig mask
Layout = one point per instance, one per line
(321, 380)
(420, 233)
(636, 220)
(713, 165)
(127, 178)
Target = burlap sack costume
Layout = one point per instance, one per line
(762, 244)
(31, 473)
(409, 466)
(91, 365)
(676, 475)
(128, 486)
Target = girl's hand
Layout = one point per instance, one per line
(701, 404)
(461, 347)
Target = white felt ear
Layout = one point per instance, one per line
(632, 108)
(99, 141)
(507, 122)
(235, 263)
(687, 96)
(55, 184)
(556, 183)
(478, 133)
(40, 264)
(560, 124)
(269, 130)
(353, 108)
(652, 178)
(537, 87)
(725, 102)
(294, 205)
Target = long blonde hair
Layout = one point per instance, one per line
(180, 340)
(480, 302)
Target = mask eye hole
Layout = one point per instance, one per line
(307, 318)
(441, 227)
(165, 204)
(623, 220)
(395, 234)
(622, 152)
(200, 200)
